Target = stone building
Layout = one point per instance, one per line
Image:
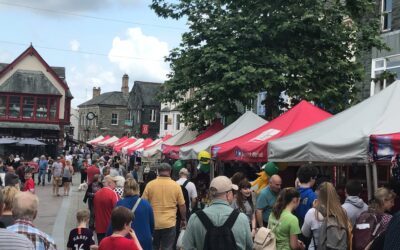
(144, 109)
(379, 63)
(105, 114)
(35, 103)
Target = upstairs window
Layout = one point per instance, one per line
(386, 15)
(165, 122)
(114, 119)
(15, 107)
(178, 122)
(153, 116)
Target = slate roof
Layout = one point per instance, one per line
(29, 81)
(115, 98)
(60, 71)
(148, 92)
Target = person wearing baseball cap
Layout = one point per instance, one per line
(221, 194)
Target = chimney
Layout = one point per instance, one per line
(125, 85)
(96, 91)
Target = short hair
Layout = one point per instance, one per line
(353, 188)
(1, 203)
(9, 194)
(131, 187)
(82, 215)
(25, 206)
(305, 173)
(120, 216)
(96, 177)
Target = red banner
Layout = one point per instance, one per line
(145, 129)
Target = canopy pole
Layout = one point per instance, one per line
(374, 176)
(212, 169)
(369, 184)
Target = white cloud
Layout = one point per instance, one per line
(151, 66)
(5, 56)
(74, 45)
(82, 80)
(76, 5)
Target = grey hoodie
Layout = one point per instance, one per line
(354, 206)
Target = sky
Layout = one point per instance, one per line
(97, 41)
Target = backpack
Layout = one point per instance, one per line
(366, 230)
(187, 201)
(332, 235)
(221, 237)
(265, 239)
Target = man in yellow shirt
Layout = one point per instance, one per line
(165, 195)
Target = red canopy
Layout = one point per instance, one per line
(173, 150)
(140, 145)
(117, 148)
(122, 139)
(252, 147)
(104, 139)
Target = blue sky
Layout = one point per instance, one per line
(60, 33)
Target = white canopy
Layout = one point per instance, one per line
(182, 137)
(343, 138)
(137, 142)
(99, 138)
(244, 124)
(108, 141)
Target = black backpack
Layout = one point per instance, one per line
(219, 237)
(187, 201)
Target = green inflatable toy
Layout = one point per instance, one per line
(178, 165)
(270, 168)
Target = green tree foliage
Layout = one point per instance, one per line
(237, 48)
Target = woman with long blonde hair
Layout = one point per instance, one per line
(326, 206)
(67, 171)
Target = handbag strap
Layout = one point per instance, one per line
(136, 205)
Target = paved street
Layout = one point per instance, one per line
(56, 215)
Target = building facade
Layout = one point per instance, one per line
(35, 102)
(105, 114)
(383, 67)
(144, 109)
(170, 119)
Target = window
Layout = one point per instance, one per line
(114, 119)
(178, 122)
(165, 122)
(28, 107)
(41, 108)
(15, 107)
(386, 15)
(53, 109)
(153, 116)
(138, 117)
(3, 106)
(379, 66)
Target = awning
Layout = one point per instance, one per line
(27, 125)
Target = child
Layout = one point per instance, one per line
(121, 219)
(29, 183)
(81, 237)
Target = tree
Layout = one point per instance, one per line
(237, 48)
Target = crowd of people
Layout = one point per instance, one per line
(162, 212)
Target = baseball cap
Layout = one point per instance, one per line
(222, 184)
(164, 166)
(184, 171)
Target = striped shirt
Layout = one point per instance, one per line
(13, 241)
(40, 240)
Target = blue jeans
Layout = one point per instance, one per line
(164, 238)
(42, 176)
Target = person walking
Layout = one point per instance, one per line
(91, 171)
(104, 202)
(283, 223)
(49, 172)
(43, 165)
(243, 202)
(68, 171)
(83, 171)
(165, 195)
(57, 172)
(8, 194)
(219, 213)
(25, 210)
(143, 223)
(92, 189)
(326, 206)
(266, 200)
(354, 205)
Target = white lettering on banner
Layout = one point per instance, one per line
(265, 135)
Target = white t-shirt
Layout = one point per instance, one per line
(190, 187)
(311, 226)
